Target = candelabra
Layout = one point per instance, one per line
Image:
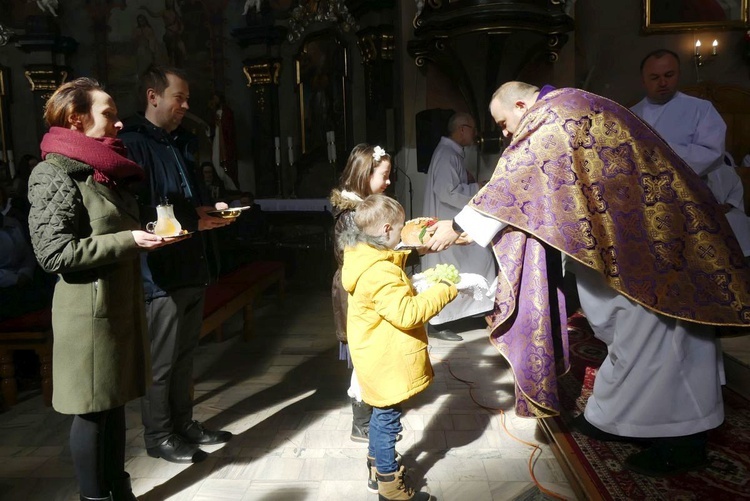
(699, 59)
(331, 143)
(279, 173)
(293, 171)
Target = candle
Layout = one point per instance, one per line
(291, 150)
(714, 47)
(697, 47)
(277, 144)
(11, 165)
(328, 145)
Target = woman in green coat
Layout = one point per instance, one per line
(84, 226)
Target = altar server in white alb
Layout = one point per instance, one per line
(694, 130)
(449, 188)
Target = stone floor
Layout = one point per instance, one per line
(283, 395)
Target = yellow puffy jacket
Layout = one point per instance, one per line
(385, 324)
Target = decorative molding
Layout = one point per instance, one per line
(376, 44)
(46, 78)
(262, 72)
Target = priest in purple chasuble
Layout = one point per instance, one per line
(657, 267)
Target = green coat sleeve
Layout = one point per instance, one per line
(60, 233)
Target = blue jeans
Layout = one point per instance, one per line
(385, 425)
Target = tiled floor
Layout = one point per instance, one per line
(284, 397)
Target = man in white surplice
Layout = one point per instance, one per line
(695, 131)
(449, 187)
(662, 376)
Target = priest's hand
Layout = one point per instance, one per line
(442, 235)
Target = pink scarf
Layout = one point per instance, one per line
(106, 155)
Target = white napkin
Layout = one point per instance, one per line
(469, 284)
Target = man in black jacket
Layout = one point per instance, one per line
(174, 277)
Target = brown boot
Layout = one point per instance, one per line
(372, 478)
(391, 487)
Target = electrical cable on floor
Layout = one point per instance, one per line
(535, 447)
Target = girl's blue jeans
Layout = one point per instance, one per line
(385, 425)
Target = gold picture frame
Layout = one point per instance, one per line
(661, 16)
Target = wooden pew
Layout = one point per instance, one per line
(31, 331)
(237, 291)
(233, 292)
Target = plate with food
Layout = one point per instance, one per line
(228, 213)
(416, 233)
(182, 233)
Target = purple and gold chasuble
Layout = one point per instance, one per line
(586, 177)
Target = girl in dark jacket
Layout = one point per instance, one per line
(85, 227)
(367, 171)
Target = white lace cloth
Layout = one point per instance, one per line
(469, 284)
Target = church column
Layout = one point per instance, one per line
(6, 138)
(263, 80)
(376, 45)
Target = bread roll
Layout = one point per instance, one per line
(415, 233)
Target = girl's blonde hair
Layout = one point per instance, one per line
(359, 167)
(377, 210)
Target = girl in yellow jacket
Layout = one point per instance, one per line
(386, 333)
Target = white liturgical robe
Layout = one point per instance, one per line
(447, 191)
(662, 377)
(695, 131)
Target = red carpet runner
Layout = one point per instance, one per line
(598, 465)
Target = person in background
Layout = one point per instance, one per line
(85, 227)
(175, 278)
(694, 130)
(449, 188)
(17, 210)
(633, 222)
(215, 187)
(19, 185)
(19, 291)
(367, 171)
(386, 333)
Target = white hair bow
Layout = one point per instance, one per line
(378, 153)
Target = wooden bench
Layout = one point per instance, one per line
(237, 291)
(233, 292)
(31, 331)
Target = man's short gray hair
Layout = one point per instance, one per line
(510, 92)
(458, 119)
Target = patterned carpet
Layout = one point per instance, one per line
(600, 464)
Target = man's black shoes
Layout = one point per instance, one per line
(671, 456)
(445, 334)
(194, 433)
(175, 450)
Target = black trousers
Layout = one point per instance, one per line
(174, 324)
(97, 447)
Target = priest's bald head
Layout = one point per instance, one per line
(660, 74)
